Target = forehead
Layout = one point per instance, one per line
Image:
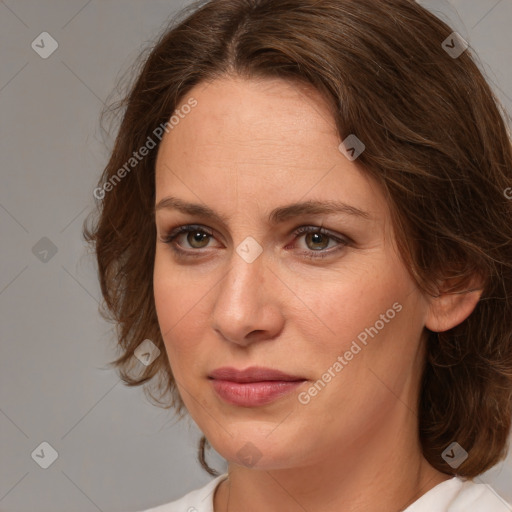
(236, 120)
(268, 142)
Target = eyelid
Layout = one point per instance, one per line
(342, 240)
(321, 230)
(186, 228)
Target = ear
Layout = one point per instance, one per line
(449, 309)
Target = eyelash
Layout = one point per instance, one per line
(169, 239)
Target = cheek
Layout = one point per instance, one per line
(179, 302)
(165, 287)
(335, 311)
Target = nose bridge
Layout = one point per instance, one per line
(243, 304)
(242, 285)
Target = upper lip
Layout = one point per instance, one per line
(252, 374)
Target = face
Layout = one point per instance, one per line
(319, 295)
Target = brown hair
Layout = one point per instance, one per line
(435, 141)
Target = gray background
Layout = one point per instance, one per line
(116, 452)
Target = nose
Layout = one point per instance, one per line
(248, 307)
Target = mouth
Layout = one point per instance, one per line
(253, 386)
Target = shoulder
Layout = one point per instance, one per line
(459, 495)
(475, 497)
(198, 500)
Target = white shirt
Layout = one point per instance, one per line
(454, 495)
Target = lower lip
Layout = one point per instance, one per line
(252, 394)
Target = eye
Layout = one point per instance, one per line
(197, 237)
(318, 239)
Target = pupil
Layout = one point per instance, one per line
(317, 238)
(198, 237)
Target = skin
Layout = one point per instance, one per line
(246, 148)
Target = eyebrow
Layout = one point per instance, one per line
(275, 217)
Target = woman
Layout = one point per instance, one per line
(305, 213)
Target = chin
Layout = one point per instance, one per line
(267, 448)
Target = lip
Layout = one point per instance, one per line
(253, 386)
(252, 374)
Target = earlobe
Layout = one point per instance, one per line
(450, 309)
